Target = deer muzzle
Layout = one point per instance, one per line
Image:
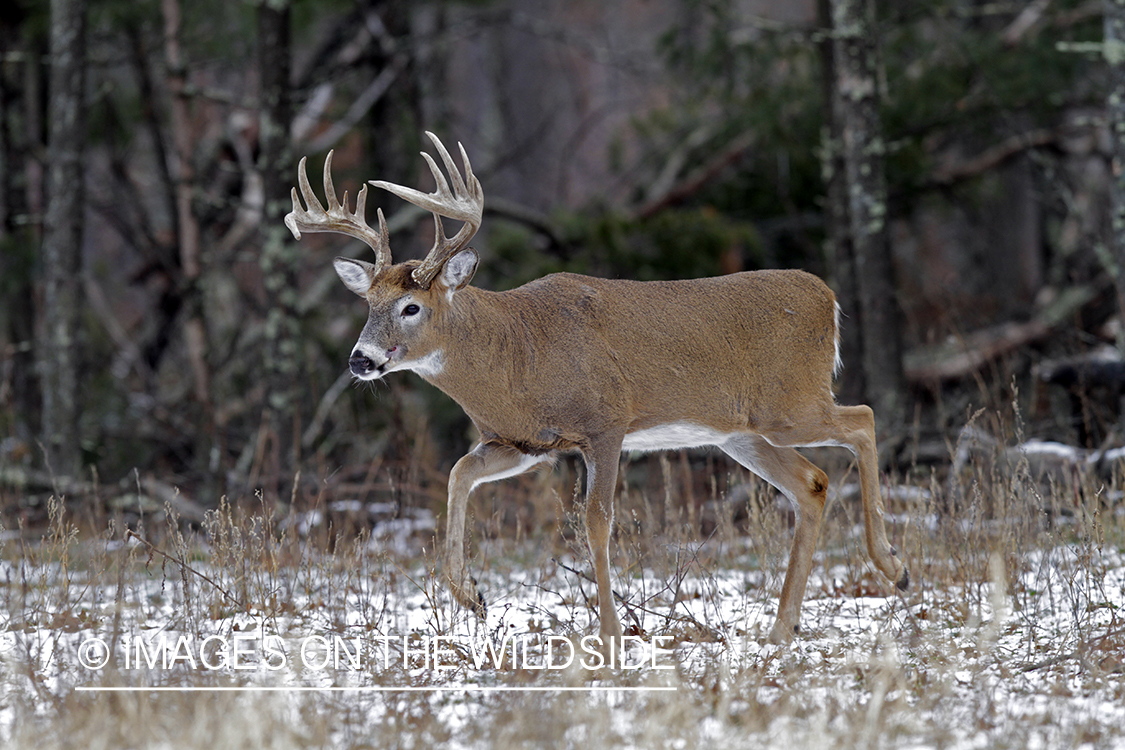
(361, 365)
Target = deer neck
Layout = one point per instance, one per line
(487, 360)
(476, 332)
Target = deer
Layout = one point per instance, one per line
(576, 364)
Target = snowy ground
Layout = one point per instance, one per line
(245, 639)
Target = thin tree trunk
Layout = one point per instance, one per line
(187, 227)
(19, 236)
(1114, 53)
(865, 185)
(839, 248)
(60, 359)
(188, 237)
(281, 357)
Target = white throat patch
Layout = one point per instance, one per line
(428, 366)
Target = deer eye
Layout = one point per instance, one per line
(410, 310)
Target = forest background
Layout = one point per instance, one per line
(948, 167)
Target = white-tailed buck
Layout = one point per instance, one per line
(600, 366)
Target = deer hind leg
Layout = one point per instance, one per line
(856, 425)
(853, 427)
(602, 460)
(485, 463)
(805, 485)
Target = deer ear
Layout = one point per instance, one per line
(357, 275)
(458, 270)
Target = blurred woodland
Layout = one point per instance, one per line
(948, 166)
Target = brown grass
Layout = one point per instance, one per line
(1012, 635)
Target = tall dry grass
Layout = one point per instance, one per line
(1010, 637)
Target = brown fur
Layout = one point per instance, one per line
(575, 363)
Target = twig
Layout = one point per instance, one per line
(619, 597)
(535, 220)
(1027, 18)
(697, 179)
(631, 609)
(327, 401)
(363, 103)
(130, 534)
(1054, 660)
(1080, 654)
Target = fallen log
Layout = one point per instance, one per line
(1100, 368)
(161, 492)
(965, 355)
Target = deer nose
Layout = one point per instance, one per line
(360, 365)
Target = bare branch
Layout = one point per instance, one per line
(360, 107)
(994, 155)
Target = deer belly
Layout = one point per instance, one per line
(673, 435)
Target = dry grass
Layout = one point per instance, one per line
(1011, 637)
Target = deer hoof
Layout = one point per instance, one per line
(780, 635)
(904, 582)
(480, 606)
(468, 595)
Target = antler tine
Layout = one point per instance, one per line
(458, 183)
(329, 188)
(337, 218)
(464, 202)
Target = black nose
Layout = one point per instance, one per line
(360, 365)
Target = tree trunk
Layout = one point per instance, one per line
(19, 234)
(1114, 53)
(862, 145)
(281, 357)
(59, 348)
(188, 239)
(394, 132)
(838, 239)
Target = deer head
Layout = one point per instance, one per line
(407, 301)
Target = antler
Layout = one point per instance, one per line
(464, 203)
(337, 218)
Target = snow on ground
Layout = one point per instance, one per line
(376, 646)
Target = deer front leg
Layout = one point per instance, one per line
(601, 482)
(488, 462)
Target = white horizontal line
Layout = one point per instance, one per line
(368, 689)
